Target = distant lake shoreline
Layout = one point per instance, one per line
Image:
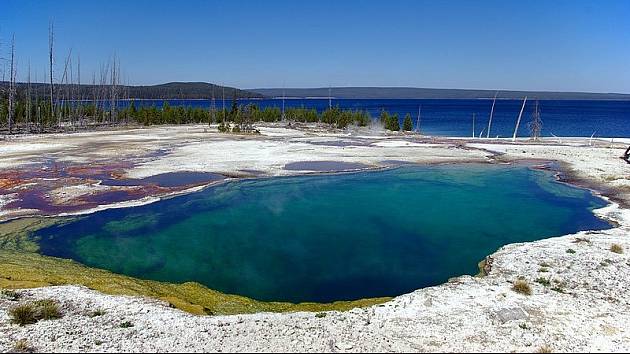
(453, 117)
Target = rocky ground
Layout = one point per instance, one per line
(579, 283)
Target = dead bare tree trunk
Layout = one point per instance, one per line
(103, 92)
(64, 81)
(70, 93)
(223, 104)
(535, 126)
(212, 108)
(94, 96)
(491, 114)
(518, 121)
(11, 85)
(113, 93)
(51, 41)
(28, 100)
(79, 103)
(38, 118)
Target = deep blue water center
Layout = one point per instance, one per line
(330, 237)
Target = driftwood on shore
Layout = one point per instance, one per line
(626, 155)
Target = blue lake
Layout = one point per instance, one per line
(330, 237)
(453, 117)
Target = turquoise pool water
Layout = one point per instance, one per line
(330, 237)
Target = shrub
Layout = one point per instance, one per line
(23, 314)
(616, 248)
(320, 315)
(21, 346)
(10, 294)
(223, 128)
(96, 313)
(545, 349)
(47, 309)
(35, 311)
(126, 324)
(521, 287)
(558, 289)
(542, 281)
(571, 251)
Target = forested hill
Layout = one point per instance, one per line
(189, 90)
(171, 90)
(429, 93)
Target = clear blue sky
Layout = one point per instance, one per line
(566, 45)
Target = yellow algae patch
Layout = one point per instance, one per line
(22, 267)
(14, 234)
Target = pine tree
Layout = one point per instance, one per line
(407, 124)
(394, 123)
(384, 117)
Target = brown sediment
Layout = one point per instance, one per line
(565, 174)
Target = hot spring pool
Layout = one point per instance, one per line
(329, 237)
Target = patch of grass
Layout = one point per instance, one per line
(32, 312)
(522, 287)
(545, 349)
(543, 270)
(97, 313)
(126, 324)
(558, 289)
(616, 248)
(544, 265)
(320, 314)
(543, 281)
(23, 314)
(10, 294)
(21, 346)
(523, 326)
(571, 251)
(47, 309)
